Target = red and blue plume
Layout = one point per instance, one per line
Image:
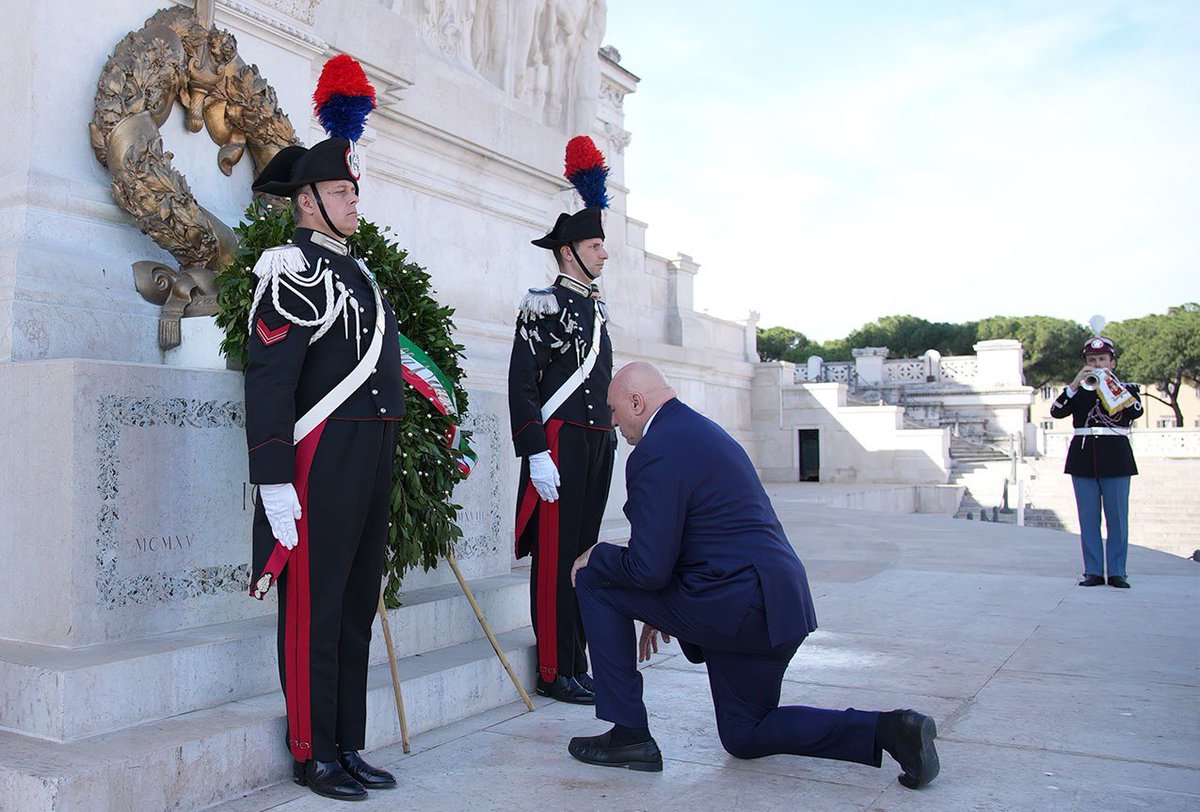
(344, 98)
(587, 172)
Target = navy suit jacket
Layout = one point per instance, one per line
(702, 526)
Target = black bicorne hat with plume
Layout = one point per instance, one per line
(588, 173)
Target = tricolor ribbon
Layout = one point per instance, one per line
(424, 375)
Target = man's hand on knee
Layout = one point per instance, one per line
(581, 562)
(648, 644)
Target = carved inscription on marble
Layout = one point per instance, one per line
(169, 480)
(483, 497)
(163, 544)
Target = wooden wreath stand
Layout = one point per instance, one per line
(487, 630)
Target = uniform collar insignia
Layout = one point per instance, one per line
(329, 243)
(573, 285)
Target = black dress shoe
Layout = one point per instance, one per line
(912, 746)
(643, 756)
(328, 779)
(585, 679)
(362, 772)
(1092, 580)
(1119, 581)
(566, 689)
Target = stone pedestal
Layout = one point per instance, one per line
(868, 364)
(999, 363)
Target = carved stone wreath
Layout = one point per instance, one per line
(175, 56)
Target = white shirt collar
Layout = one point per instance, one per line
(646, 427)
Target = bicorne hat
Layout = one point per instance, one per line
(586, 170)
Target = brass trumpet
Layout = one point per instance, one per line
(1111, 391)
(1094, 378)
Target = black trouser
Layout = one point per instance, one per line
(329, 590)
(565, 529)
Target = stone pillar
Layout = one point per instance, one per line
(933, 366)
(681, 312)
(999, 363)
(868, 364)
(816, 368)
(752, 337)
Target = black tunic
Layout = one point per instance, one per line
(286, 375)
(1104, 455)
(553, 338)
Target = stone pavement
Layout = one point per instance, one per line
(1047, 695)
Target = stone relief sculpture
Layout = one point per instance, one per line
(543, 52)
(176, 57)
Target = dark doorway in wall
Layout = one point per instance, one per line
(810, 455)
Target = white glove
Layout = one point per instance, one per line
(282, 507)
(544, 475)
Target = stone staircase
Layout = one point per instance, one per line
(963, 450)
(1164, 502)
(982, 470)
(189, 719)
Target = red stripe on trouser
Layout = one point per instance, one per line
(525, 513)
(299, 609)
(547, 593)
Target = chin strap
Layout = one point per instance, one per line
(328, 222)
(570, 245)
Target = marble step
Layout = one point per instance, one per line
(66, 694)
(204, 757)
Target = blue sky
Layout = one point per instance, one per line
(829, 163)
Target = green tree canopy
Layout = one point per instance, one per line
(1161, 350)
(785, 344)
(911, 336)
(1051, 345)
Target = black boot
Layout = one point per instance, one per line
(362, 772)
(328, 779)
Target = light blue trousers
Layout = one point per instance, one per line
(1111, 492)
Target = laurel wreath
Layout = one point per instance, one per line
(424, 524)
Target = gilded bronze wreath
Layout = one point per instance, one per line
(176, 57)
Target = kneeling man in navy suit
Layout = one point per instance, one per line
(709, 564)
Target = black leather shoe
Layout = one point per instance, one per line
(643, 756)
(328, 779)
(913, 747)
(585, 679)
(362, 772)
(1092, 580)
(566, 689)
(1119, 581)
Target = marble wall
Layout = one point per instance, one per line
(123, 473)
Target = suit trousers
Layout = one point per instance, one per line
(745, 675)
(329, 590)
(1112, 494)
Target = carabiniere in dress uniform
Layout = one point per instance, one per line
(558, 378)
(324, 390)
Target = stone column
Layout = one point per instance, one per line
(681, 312)
(752, 337)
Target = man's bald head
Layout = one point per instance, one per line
(635, 394)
